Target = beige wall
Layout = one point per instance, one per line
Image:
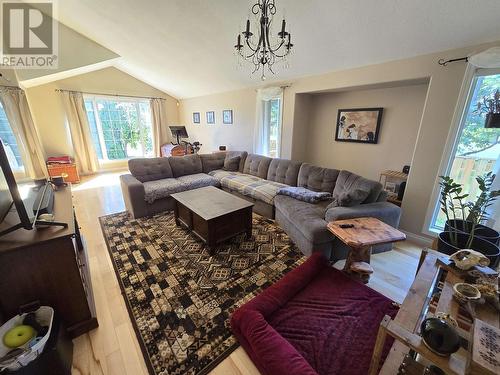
(398, 132)
(238, 136)
(48, 112)
(436, 121)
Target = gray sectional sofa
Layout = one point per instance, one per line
(147, 189)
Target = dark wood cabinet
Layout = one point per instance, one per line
(49, 265)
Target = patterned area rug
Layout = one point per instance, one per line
(179, 297)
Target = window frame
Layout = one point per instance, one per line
(20, 174)
(136, 100)
(267, 115)
(458, 123)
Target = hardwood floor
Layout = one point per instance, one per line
(113, 347)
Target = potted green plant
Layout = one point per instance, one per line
(491, 106)
(464, 228)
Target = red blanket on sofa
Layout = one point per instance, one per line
(315, 320)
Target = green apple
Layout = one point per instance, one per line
(18, 336)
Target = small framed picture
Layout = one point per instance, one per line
(211, 117)
(196, 117)
(227, 116)
(391, 187)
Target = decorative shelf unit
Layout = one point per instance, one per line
(391, 181)
(432, 292)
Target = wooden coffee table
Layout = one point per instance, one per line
(213, 214)
(365, 233)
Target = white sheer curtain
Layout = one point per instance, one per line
(18, 113)
(159, 123)
(262, 123)
(489, 58)
(76, 116)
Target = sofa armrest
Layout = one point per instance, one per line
(387, 212)
(133, 195)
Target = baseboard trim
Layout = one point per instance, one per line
(418, 239)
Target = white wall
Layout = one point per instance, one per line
(238, 136)
(398, 132)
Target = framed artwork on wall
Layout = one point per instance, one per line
(196, 117)
(227, 116)
(211, 117)
(358, 125)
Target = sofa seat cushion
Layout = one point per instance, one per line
(198, 180)
(163, 188)
(220, 174)
(307, 218)
(251, 186)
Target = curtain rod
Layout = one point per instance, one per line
(117, 95)
(281, 87)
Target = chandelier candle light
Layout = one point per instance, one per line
(259, 49)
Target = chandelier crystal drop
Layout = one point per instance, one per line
(260, 48)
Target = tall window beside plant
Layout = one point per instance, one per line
(477, 149)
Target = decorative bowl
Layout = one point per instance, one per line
(464, 293)
(439, 336)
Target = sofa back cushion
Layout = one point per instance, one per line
(284, 171)
(184, 165)
(257, 165)
(212, 162)
(243, 156)
(349, 182)
(317, 178)
(150, 169)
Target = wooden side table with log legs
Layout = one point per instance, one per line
(360, 235)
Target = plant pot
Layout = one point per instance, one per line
(492, 120)
(489, 249)
(481, 231)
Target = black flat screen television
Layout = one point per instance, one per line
(9, 193)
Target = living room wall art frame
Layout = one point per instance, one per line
(196, 117)
(361, 125)
(227, 116)
(211, 117)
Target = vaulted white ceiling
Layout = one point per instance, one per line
(185, 47)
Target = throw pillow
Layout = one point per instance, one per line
(232, 164)
(303, 194)
(349, 199)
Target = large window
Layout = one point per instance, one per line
(120, 127)
(477, 150)
(10, 144)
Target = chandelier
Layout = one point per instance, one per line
(260, 49)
